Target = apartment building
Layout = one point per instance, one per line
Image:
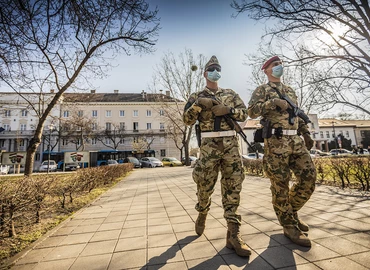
(91, 122)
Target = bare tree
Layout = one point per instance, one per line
(112, 135)
(58, 44)
(333, 38)
(180, 76)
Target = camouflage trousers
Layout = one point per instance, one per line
(219, 154)
(282, 158)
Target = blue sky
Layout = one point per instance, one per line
(206, 27)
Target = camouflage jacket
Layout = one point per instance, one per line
(261, 104)
(206, 118)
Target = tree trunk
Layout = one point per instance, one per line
(31, 150)
(12, 232)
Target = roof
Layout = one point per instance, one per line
(117, 97)
(328, 122)
(251, 124)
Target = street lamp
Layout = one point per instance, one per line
(51, 128)
(336, 144)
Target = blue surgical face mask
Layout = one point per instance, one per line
(213, 76)
(277, 71)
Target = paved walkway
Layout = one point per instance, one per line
(147, 222)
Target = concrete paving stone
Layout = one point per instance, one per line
(51, 241)
(96, 262)
(85, 229)
(252, 218)
(105, 235)
(24, 266)
(366, 220)
(335, 228)
(128, 259)
(136, 217)
(158, 221)
(359, 238)
(332, 217)
(266, 226)
(316, 253)
(157, 215)
(132, 232)
(54, 265)
(279, 237)
(189, 237)
(102, 247)
(169, 266)
(352, 214)
(216, 262)
(356, 225)
(361, 258)
(92, 221)
(35, 255)
(259, 240)
(246, 229)
(63, 231)
(112, 219)
(160, 240)
(110, 226)
(100, 215)
(73, 223)
(341, 245)
(339, 264)
(199, 250)
(281, 256)
(64, 252)
(183, 227)
(212, 223)
(134, 223)
(215, 233)
(253, 262)
(165, 254)
(161, 229)
(307, 266)
(76, 239)
(132, 243)
(180, 219)
(316, 233)
(137, 211)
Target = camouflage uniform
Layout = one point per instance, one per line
(218, 153)
(284, 155)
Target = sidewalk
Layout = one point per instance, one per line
(147, 222)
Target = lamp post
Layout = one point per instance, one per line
(336, 144)
(51, 128)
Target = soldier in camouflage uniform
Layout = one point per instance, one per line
(219, 151)
(285, 151)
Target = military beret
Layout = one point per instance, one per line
(268, 62)
(212, 62)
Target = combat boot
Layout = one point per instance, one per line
(234, 240)
(301, 225)
(297, 237)
(200, 223)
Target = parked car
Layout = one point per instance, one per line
(73, 166)
(340, 152)
(112, 162)
(171, 161)
(44, 166)
(193, 162)
(253, 156)
(4, 169)
(132, 160)
(320, 153)
(191, 158)
(150, 162)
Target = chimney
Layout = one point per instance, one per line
(116, 91)
(93, 91)
(168, 93)
(52, 91)
(143, 94)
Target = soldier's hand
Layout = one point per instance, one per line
(281, 103)
(205, 103)
(220, 110)
(308, 141)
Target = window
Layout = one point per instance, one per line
(362, 133)
(94, 126)
(314, 135)
(2, 143)
(94, 113)
(122, 141)
(161, 112)
(136, 139)
(78, 142)
(333, 134)
(66, 114)
(108, 126)
(327, 134)
(107, 141)
(161, 126)
(121, 113)
(21, 142)
(321, 134)
(7, 127)
(136, 126)
(24, 113)
(347, 134)
(65, 142)
(163, 152)
(7, 113)
(122, 126)
(312, 125)
(108, 113)
(23, 127)
(93, 141)
(136, 113)
(148, 125)
(148, 113)
(80, 113)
